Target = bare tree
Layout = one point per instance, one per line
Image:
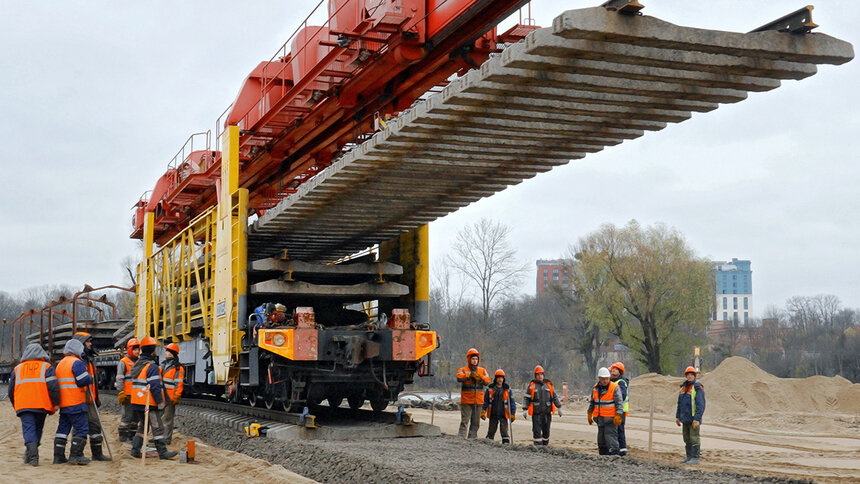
(484, 257)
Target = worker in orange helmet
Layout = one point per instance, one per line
(148, 390)
(500, 406)
(73, 380)
(691, 407)
(541, 402)
(616, 372)
(93, 401)
(35, 394)
(173, 376)
(123, 384)
(606, 408)
(473, 379)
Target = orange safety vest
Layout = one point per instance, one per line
(505, 400)
(31, 386)
(173, 381)
(471, 391)
(546, 383)
(95, 384)
(604, 406)
(70, 393)
(126, 382)
(139, 391)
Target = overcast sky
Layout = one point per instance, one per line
(96, 97)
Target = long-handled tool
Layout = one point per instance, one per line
(145, 429)
(511, 426)
(101, 425)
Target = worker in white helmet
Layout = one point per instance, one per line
(606, 408)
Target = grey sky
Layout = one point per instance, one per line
(96, 97)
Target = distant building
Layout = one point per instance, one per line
(552, 273)
(734, 298)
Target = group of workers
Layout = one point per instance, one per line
(608, 406)
(37, 389)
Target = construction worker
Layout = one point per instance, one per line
(95, 428)
(34, 393)
(541, 402)
(500, 406)
(691, 407)
(127, 426)
(147, 390)
(606, 408)
(616, 372)
(73, 380)
(472, 380)
(173, 376)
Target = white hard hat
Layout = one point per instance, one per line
(603, 372)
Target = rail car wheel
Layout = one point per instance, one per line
(334, 401)
(355, 402)
(378, 405)
(253, 400)
(269, 401)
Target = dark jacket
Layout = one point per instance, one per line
(684, 412)
(496, 402)
(543, 399)
(35, 352)
(153, 378)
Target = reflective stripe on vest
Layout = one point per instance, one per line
(172, 379)
(546, 384)
(604, 406)
(126, 381)
(31, 386)
(626, 405)
(505, 401)
(70, 393)
(140, 392)
(693, 398)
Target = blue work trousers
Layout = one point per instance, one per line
(32, 424)
(76, 420)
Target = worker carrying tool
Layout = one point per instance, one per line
(93, 401)
(147, 392)
(691, 407)
(73, 380)
(173, 376)
(616, 372)
(541, 402)
(606, 408)
(500, 406)
(472, 380)
(35, 394)
(127, 426)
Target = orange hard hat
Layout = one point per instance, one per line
(690, 369)
(472, 352)
(148, 341)
(130, 345)
(618, 365)
(500, 373)
(173, 347)
(538, 369)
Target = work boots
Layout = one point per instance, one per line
(163, 453)
(688, 449)
(136, 444)
(76, 455)
(96, 448)
(59, 450)
(694, 455)
(123, 435)
(32, 455)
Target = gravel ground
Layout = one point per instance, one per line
(442, 459)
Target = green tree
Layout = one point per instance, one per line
(647, 287)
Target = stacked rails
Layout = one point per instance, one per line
(595, 79)
(101, 331)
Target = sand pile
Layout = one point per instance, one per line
(739, 388)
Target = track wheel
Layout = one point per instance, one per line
(334, 401)
(269, 401)
(355, 402)
(253, 399)
(378, 405)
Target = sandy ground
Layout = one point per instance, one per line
(211, 462)
(768, 453)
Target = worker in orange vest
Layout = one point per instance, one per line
(606, 408)
(35, 393)
(500, 406)
(691, 407)
(94, 425)
(173, 376)
(127, 426)
(616, 372)
(73, 379)
(147, 388)
(541, 402)
(473, 379)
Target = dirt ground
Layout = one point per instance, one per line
(211, 462)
